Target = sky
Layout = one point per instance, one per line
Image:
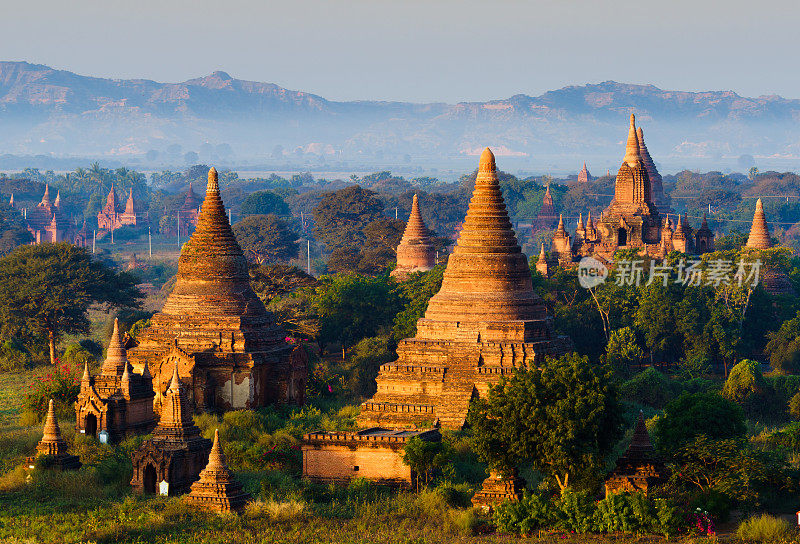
(418, 50)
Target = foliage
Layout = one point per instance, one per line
(415, 291)
(341, 216)
(352, 307)
(266, 238)
(783, 347)
(747, 387)
(48, 288)
(14, 355)
(365, 359)
(425, 458)
(263, 203)
(622, 350)
(794, 407)
(693, 414)
(522, 517)
(767, 529)
(62, 385)
(650, 387)
(77, 355)
(564, 419)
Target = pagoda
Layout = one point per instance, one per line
(546, 218)
(217, 490)
(639, 468)
(118, 400)
(46, 222)
(415, 252)
(584, 176)
(132, 215)
(189, 212)
(484, 322)
(656, 185)
(53, 445)
(177, 453)
(759, 232)
(230, 352)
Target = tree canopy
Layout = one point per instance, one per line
(266, 239)
(47, 290)
(264, 202)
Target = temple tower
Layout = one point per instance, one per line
(759, 231)
(53, 445)
(484, 322)
(177, 453)
(546, 217)
(656, 186)
(230, 352)
(639, 468)
(584, 176)
(217, 490)
(415, 252)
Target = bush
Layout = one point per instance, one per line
(794, 407)
(694, 414)
(77, 355)
(14, 356)
(765, 528)
(366, 357)
(747, 387)
(525, 516)
(62, 385)
(651, 388)
(576, 511)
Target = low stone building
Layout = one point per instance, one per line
(217, 490)
(177, 453)
(229, 351)
(497, 489)
(118, 400)
(53, 445)
(374, 454)
(416, 252)
(639, 468)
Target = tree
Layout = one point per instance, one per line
(341, 216)
(264, 202)
(564, 419)
(424, 457)
(266, 238)
(47, 290)
(691, 415)
(747, 387)
(783, 347)
(416, 290)
(622, 350)
(352, 307)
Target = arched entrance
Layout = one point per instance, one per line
(90, 425)
(622, 237)
(702, 245)
(149, 479)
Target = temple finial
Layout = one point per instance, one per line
(213, 181)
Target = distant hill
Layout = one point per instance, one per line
(45, 111)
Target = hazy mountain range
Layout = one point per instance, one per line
(48, 111)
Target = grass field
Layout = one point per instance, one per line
(96, 505)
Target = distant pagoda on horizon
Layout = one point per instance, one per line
(484, 323)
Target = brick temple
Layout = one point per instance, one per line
(112, 216)
(216, 489)
(484, 322)
(639, 468)
(229, 351)
(118, 401)
(633, 219)
(415, 252)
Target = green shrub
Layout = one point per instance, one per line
(693, 414)
(784, 386)
(366, 357)
(747, 387)
(651, 388)
(794, 406)
(14, 356)
(455, 495)
(576, 511)
(525, 516)
(62, 385)
(765, 528)
(76, 354)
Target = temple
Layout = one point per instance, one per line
(110, 217)
(656, 187)
(484, 322)
(117, 401)
(547, 217)
(53, 445)
(584, 176)
(774, 280)
(632, 219)
(229, 351)
(217, 490)
(497, 489)
(46, 222)
(416, 252)
(177, 453)
(759, 231)
(189, 212)
(639, 468)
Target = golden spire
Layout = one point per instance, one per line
(116, 358)
(580, 221)
(175, 408)
(560, 230)
(632, 154)
(759, 231)
(486, 164)
(542, 255)
(213, 181)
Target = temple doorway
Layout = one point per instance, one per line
(90, 426)
(702, 246)
(150, 479)
(622, 237)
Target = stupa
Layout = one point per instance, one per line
(216, 489)
(177, 453)
(484, 322)
(639, 468)
(415, 252)
(53, 445)
(759, 231)
(230, 352)
(497, 489)
(118, 401)
(546, 218)
(656, 182)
